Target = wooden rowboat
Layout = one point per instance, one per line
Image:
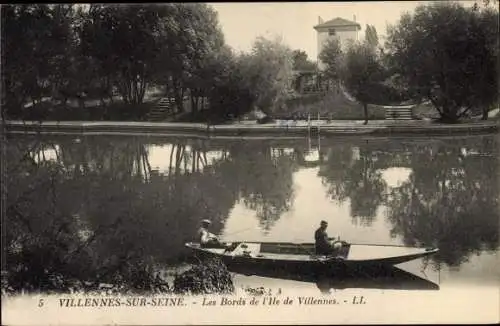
(302, 255)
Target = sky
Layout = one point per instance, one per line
(294, 21)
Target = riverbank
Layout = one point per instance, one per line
(251, 129)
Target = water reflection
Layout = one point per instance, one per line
(262, 176)
(116, 201)
(450, 200)
(352, 173)
(385, 279)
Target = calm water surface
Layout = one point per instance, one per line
(142, 198)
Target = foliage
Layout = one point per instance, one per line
(35, 41)
(207, 277)
(301, 62)
(331, 57)
(230, 96)
(362, 73)
(451, 200)
(357, 178)
(195, 50)
(62, 53)
(371, 37)
(124, 40)
(93, 226)
(267, 73)
(271, 192)
(448, 54)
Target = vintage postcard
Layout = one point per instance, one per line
(250, 163)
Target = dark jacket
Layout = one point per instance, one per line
(322, 245)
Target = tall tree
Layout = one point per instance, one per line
(209, 48)
(448, 54)
(190, 48)
(231, 94)
(35, 46)
(267, 72)
(124, 40)
(486, 29)
(331, 57)
(362, 74)
(371, 37)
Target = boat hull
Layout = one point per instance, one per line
(300, 258)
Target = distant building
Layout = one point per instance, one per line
(339, 28)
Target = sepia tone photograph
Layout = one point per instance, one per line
(250, 163)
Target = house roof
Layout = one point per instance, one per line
(337, 22)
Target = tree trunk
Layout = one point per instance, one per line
(193, 163)
(365, 109)
(167, 89)
(103, 103)
(171, 160)
(178, 95)
(198, 158)
(178, 159)
(142, 91)
(182, 90)
(450, 114)
(135, 91)
(81, 102)
(485, 113)
(193, 103)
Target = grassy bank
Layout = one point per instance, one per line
(117, 111)
(88, 109)
(336, 106)
(330, 106)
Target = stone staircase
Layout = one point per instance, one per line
(399, 113)
(163, 109)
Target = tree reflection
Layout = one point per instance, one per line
(101, 210)
(262, 177)
(94, 206)
(353, 173)
(450, 200)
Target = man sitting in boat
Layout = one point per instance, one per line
(323, 244)
(207, 239)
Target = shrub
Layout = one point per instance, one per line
(209, 276)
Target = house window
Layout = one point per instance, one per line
(331, 31)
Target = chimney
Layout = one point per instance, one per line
(354, 18)
(320, 20)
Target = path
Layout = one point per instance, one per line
(278, 129)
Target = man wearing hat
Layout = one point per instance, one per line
(206, 238)
(322, 241)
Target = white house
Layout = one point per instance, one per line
(339, 28)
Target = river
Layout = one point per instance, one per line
(140, 198)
